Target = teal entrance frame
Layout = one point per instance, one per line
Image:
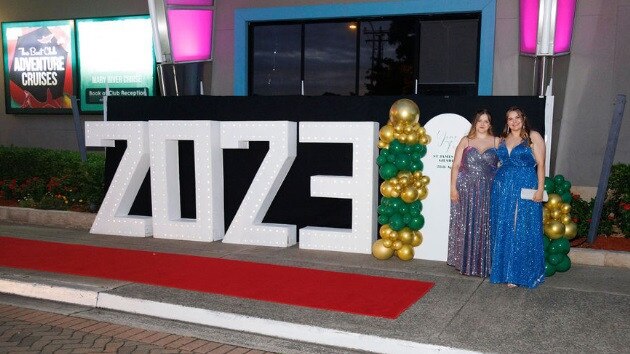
(242, 17)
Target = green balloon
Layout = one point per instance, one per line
(381, 209)
(422, 150)
(406, 218)
(549, 185)
(558, 179)
(416, 222)
(416, 166)
(396, 203)
(387, 171)
(383, 219)
(546, 242)
(559, 246)
(566, 185)
(567, 197)
(564, 265)
(396, 146)
(549, 269)
(402, 162)
(417, 205)
(555, 258)
(381, 160)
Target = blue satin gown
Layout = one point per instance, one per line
(516, 224)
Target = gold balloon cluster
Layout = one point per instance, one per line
(557, 219)
(399, 242)
(409, 186)
(403, 125)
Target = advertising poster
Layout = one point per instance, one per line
(115, 54)
(38, 66)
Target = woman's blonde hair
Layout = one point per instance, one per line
(473, 129)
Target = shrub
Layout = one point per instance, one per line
(616, 209)
(52, 179)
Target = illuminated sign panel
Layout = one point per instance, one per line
(39, 66)
(115, 54)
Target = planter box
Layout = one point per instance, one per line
(52, 218)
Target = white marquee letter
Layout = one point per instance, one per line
(361, 187)
(165, 196)
(247, 226)
(113, 217)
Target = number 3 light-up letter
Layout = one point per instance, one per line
(360, 187)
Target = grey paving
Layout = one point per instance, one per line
(585, 310)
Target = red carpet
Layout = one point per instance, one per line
(326, 290)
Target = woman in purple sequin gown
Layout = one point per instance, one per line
(516, 224)
(474, 166)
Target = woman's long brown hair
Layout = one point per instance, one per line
(473, 129)
(525, 131)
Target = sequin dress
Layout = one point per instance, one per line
(469, 230)
(516, 224)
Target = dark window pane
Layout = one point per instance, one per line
(276, 60)
(329, 59)
(387, 57)
(448, 51)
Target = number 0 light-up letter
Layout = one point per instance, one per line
(360, 187)
(165, 200)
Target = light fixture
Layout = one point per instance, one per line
(546, 26)
(182, 30)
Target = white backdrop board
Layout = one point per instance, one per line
(445, 130)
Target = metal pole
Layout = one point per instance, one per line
(609, 155)
(78, 128)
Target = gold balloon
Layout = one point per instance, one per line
(554, 201)
(416, 240)
(565, 219)
(425, 180)
(380, 251)
(423, 192)
(405, 253)
(393, 235)
(409, 195)
(565, 208)
(421, 131)
(405, 235)
(570, 230)
(386, 188)
(398, 129)
(554, 229)
(546, 214)
(408, 129)
(397, 245)
(384, 231)
(412, 138)
(387, 243)
(428, 139)
(386, 133)
(382, 145)
(404, 111)
(423, 139)
(555, 214)
(405, 174)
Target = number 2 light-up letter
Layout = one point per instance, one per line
(247, 226)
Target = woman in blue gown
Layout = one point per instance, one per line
(516, 224)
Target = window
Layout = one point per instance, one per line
(430, 55)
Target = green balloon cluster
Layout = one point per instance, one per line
(398, 214)
(560, 186)
(400, 157)
(556, 255)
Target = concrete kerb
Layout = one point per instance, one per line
(83, 221)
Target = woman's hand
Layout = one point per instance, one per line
(454, 195)
(538, 196)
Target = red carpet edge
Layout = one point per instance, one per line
(325, 290)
